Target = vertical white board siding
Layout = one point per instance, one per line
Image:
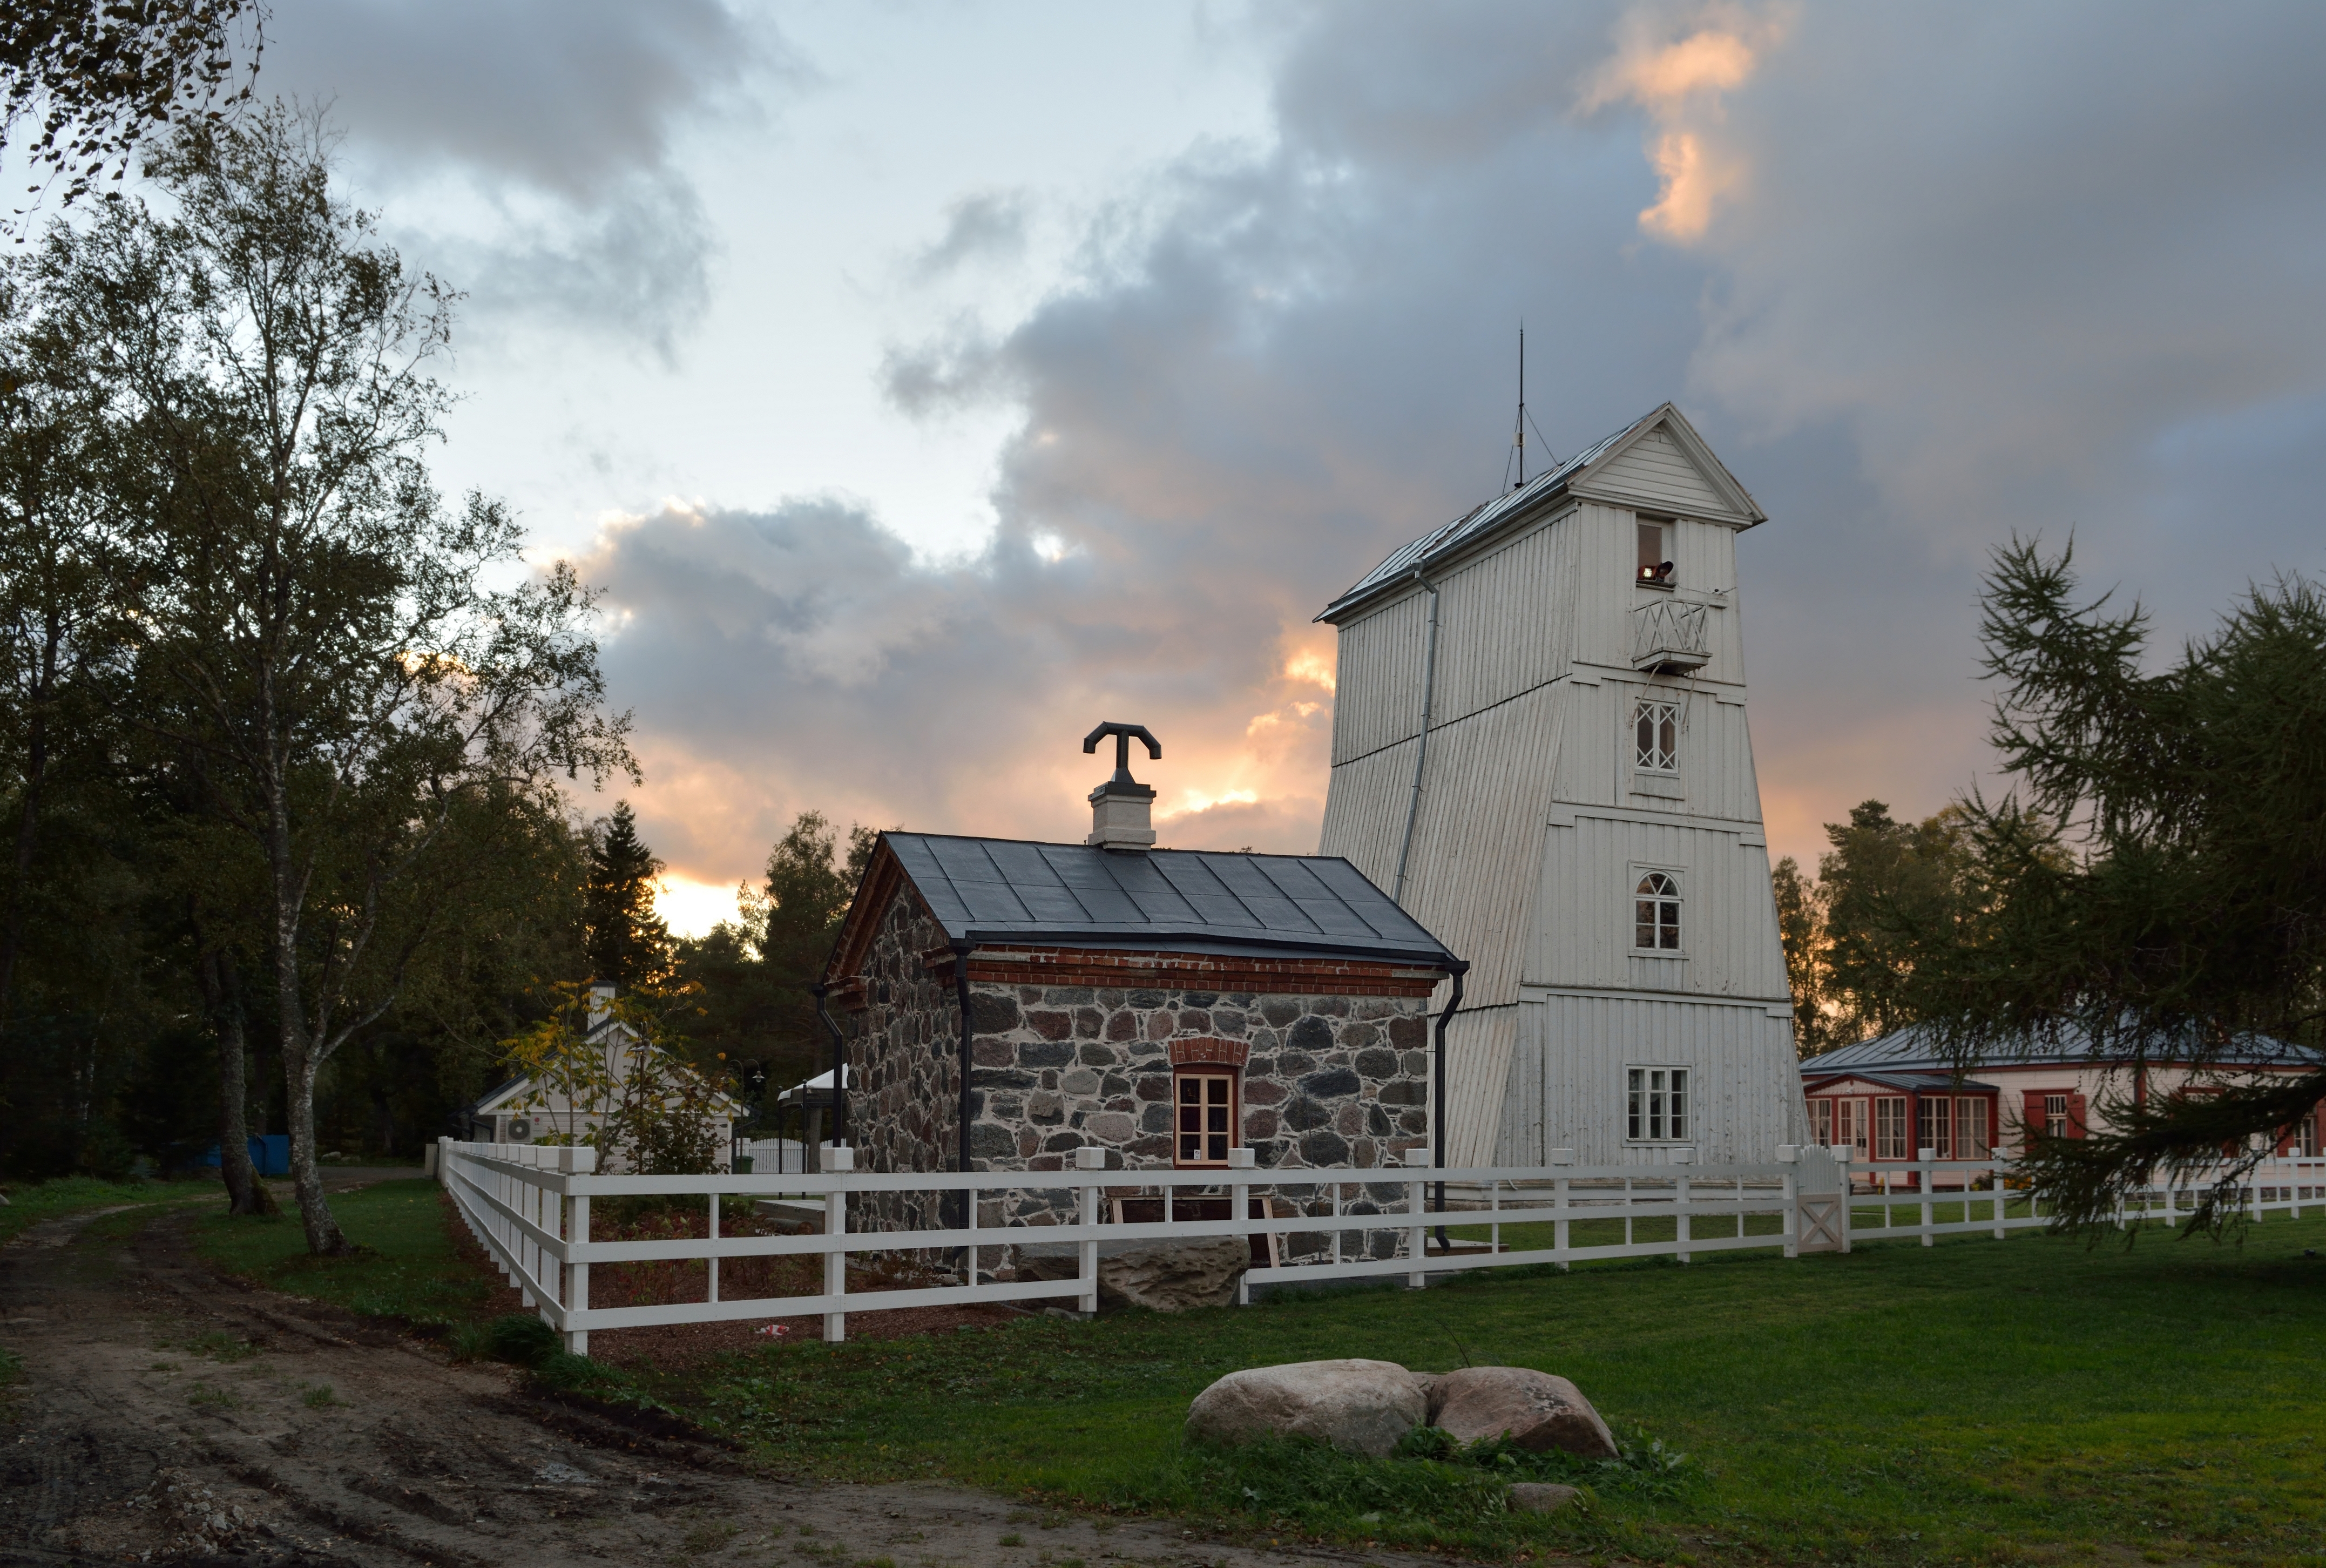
(1521, 1141)
(1478, 1070)
(1502, 622)
(1742, 1077)
(1377, 690)
(1654, 469)
(1364, 812)
(1727, 923)
(1606, 562)
(1535, 824)
(1477, 842)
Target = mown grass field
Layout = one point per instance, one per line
(2032, 1400)
(408, 1269)
(2036, 1400)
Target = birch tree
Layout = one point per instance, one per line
(362, 669)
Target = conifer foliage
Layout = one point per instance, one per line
(2159, 883)
(629, 944)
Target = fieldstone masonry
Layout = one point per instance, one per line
(1335, 1060)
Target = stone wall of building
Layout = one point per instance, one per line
(903, 1033)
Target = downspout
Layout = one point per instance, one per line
(961, 952)
(838, 1080)
(1421, 753)
(1438, 1138)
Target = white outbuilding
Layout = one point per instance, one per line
(1539, 749)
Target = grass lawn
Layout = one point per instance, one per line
(2029, 1400)
(408, 1267)
(2035, 1400)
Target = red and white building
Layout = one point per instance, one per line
(1885, 1099)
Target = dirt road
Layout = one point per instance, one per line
(165, 1415)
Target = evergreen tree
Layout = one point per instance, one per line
(2179, 909)
(627, 943)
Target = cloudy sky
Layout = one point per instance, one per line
(924, 383)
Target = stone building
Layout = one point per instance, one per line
(1170, 1007)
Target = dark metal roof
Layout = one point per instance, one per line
(1913, 1050)
(1917, 1081)
(1479, 520)
(1007, 889)
(1483, 518)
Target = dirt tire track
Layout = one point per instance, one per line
(121, 1444)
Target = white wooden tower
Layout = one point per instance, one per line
(1539, 749)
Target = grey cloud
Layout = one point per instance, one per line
(564, 115)
(990, 225)
(567, 96)
(1988, 271)
(637, 261)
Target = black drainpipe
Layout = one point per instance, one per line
(961, 952)
(1438, 1146)
(839, 1076)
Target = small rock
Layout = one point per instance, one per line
(1537, 1410)
(1540, 1497)
(1357, 1406)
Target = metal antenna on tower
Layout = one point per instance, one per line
(1520, 438)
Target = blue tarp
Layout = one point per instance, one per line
(270, 1152)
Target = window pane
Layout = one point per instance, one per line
(1680, 1102)
(1190, 1090)
(1634, 1097)
(1645, 732)
(1651, 555)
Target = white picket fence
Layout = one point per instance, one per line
(529, 1207)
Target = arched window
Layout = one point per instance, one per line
(1655, 912)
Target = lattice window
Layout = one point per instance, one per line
(1655, 912)
(1973, 1138)
(1936, 1128)
(1657, 1105)
(1655, 736)
(1207, 1116)
(1890, 1128)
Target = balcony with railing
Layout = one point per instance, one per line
(1670, 638)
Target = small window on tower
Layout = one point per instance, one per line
(1655, 913)
(1655, 553)
(1655, 736)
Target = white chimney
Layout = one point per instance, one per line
(1122, 809)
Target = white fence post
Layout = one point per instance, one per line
(1561, 1204)
(1240, 1196)
(1415, 1204)
(1679, 1204)
(1095, 1160)
(582, 1162)
(1789, 1186)
(836, 1157)
(1927, 1179)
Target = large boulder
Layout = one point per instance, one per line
(1537, 1410)
(1163, 1276)
(1357, 1406)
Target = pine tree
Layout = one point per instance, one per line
(627, 943)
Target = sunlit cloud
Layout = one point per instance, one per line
(1679, 82)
